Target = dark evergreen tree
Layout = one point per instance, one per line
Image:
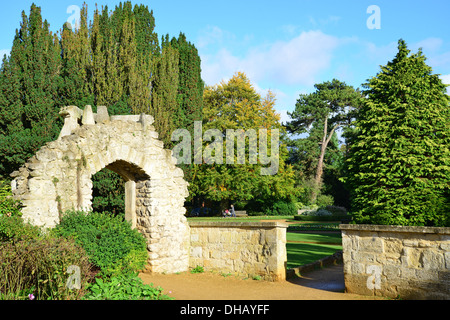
(165, 89)
(76, 72)
(29, 100)
(190, 83)
(399, 160)
(113, 60)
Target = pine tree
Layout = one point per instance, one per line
(320, 114)
(399, 161)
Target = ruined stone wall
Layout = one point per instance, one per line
(58, 178)
(395, 261)
(241, 248)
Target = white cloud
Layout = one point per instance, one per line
(298, 61)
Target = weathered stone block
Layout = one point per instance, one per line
(414, 262)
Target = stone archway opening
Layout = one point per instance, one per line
(130, 174)
(108, 192)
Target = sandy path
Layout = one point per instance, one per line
(324, 284)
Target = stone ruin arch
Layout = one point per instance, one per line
(58, 178)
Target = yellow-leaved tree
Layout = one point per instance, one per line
(243, 155)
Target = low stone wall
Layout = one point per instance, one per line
(241, 248)
(396, 261)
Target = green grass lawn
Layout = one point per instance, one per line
(331, 238)
(299, 254)
(304, 248)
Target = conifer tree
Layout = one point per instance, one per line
(29, 99)
(165, 89)
(320, 114)
(399, 161)
(190, 85)
(77, 86)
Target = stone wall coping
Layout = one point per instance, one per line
(238, 224)
(391, 228)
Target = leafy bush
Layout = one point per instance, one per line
(336, 210)
(9, 207)
(14, 229)
(322, 213)
(324, 200)
(299, 205)
(109, 241)
(39, 267)
(123, 287)
(320, 218)
(282, 208)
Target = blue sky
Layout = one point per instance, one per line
(286, 45)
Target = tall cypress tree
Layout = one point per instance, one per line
(77, 82)
(190, 83)
(147, 49)
(29, 98)
(399, 161)
(165, 89)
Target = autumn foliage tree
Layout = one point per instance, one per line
(234, 105)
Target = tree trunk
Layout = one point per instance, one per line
(319, 171)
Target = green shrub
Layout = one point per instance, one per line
(323, 213)
(299, 205)
(109, 241)
(324, 200)
(282, 208)
(9, 207)
(320, 218)
(14, 229)
(39, 267)
(123, 287)
(255, 213)
(336, 210)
